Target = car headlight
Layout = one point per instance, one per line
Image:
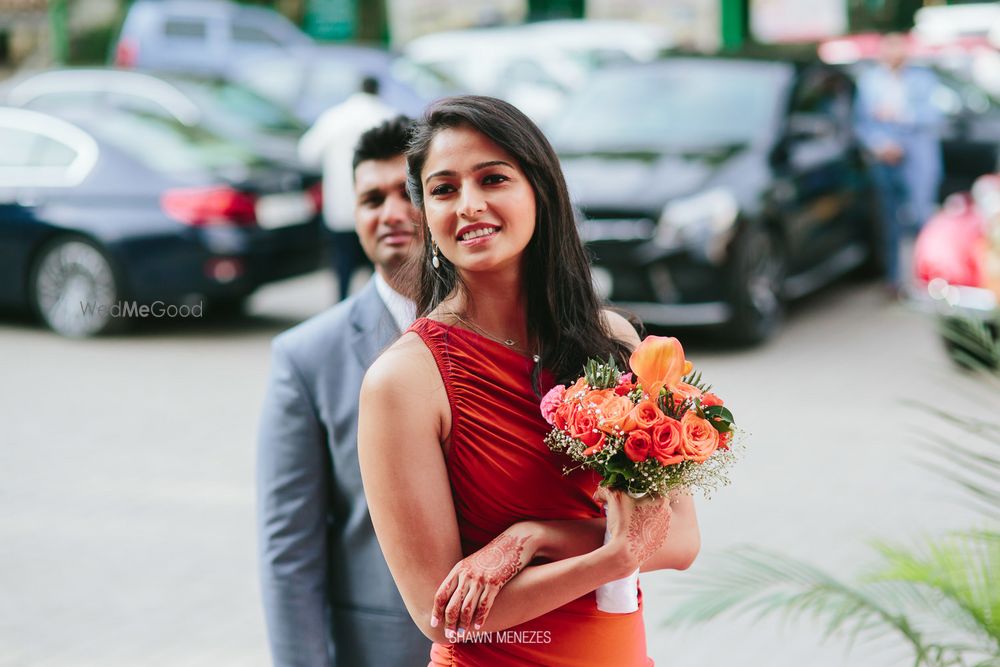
(704, 218)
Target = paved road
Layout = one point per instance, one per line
(126, 530)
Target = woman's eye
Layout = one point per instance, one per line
(495, 178)
(442, 189)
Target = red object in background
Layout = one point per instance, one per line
(219, 205)
(126, 53)
(316, 194)
(949, 246)
(868, 46)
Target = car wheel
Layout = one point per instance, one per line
(758, 274)
(71, 279)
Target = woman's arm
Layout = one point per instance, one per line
(556, 540)
(404, 417)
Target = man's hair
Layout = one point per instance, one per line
(369, 85)
(384, 141)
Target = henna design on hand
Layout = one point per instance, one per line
(647, 529)
(497, 562)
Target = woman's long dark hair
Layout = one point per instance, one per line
(563, 311)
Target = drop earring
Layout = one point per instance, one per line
(435, 262)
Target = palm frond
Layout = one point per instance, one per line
(974, 343)
(964, 570)
(749, 579)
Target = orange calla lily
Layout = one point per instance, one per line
(659, 362)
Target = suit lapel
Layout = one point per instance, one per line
(373, 328)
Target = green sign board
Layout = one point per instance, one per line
(331, 20)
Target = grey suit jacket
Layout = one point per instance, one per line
(328, 596)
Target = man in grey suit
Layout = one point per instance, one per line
(328, 596)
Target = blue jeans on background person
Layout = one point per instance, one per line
(896, 219)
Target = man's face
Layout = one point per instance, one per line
(894, 51)
(384, 217)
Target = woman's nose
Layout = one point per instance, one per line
(472, 202)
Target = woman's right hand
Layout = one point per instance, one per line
(637, 528)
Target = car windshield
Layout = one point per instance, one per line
(230, 104)
(673, 105)
(167, 146)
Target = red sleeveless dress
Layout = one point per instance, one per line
(501, 472)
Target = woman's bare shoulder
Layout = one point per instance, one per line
(405, 363)
(621, 328)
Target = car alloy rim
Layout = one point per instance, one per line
(763, 276)
(73, 280)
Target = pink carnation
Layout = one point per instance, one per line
(625, 378)
(551, 402)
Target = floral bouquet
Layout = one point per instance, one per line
(648, 431)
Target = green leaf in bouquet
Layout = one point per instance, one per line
(601, 374)
(694, 379)
(720, 417)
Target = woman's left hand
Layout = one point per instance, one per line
(466, 595)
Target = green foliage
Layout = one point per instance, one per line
(694, 379)
(940, 598)
(974, 344)
(720, 417)
(601, 375)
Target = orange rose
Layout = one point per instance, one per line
(683, 391)
(637, 446)
(658, 362)
(666, 442)
(594, 442)
(614, 413)
(583, 423)
(596, 398)
(563, 416)
(576, 390)
(708, 399)
(699, 437)
(644, 415)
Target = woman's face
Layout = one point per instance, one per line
(479, 205)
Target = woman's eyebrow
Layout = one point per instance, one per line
(477, 167)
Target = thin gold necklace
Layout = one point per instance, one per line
(509, 342)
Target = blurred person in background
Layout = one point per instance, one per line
(329, 599)
(330, 144)
(899, 127)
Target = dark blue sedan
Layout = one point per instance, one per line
(104, 213)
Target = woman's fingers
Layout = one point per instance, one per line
(454, 607)
(442, 596)
(469, 605)
(485, 605)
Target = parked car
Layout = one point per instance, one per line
(537, 65)
(310, 81)
(713, 189)
(205, 37)
(112, 207)
(957, 261)
(223, 108)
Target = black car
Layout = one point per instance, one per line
(123, 210)
(713, 188)
(970, 132)
(223, 108)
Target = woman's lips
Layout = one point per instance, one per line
(479, 240)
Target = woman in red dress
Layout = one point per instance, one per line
(495, 551)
